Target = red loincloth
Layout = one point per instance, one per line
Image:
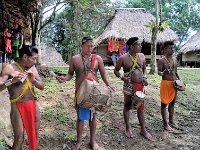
(139, 87)
(28, 113)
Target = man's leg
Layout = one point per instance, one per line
(93, 126)
(164, 117)
(143, 132)
(126, 111)
(37, 123)
(79, 130)
(18, 128)
(171, 112)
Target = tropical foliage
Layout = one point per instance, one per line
(75, 21)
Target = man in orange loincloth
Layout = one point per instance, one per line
(24, 110)
(85, 65)
(167, 68)
(134, 67)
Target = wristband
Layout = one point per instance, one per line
(121, 76)
(161, 73)
(8, 83)
(35, 81)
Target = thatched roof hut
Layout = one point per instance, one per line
(129, 22)
(191, 51)
(192, 45)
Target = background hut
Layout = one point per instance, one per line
(130, 22)
(191, 51)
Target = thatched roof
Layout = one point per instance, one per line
(193, 44)
(129, 22)
(12, 10)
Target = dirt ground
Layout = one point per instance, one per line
(58, 121)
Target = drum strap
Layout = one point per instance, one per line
(94, 56)
(88, 66)
(135, 64)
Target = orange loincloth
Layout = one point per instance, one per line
(167, 91)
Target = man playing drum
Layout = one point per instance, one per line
(134, 67)
(167, 68)
(81, 64)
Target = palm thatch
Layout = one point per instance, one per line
(129, 22)
(12, 10)
(192, 45)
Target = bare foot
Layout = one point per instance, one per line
(94, 145)
(168, 128)
(76, 146)
(129, 133)
(147, 135)
(173, 125)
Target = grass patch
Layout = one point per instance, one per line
(69, 136)
(57, 113)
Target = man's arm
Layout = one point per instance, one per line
(118, 67)
(175, 69)
(144, 68)
(37, 81)
(160, 67)
(4, 81)
(70, 73)
(71, 70)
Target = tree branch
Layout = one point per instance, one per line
(52, 17)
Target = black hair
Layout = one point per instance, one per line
(167, 43)
(86, 39)
(132, 41)
(28, 50)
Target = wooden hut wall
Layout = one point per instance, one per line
(192, 56)
(102, 50)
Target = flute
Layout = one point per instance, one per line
(24, 78)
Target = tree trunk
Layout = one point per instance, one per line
(154, 36)
(153, 50)
(76, 27)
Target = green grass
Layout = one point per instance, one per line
(70, 136)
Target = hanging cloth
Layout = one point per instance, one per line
(116, 45)
(8, 43)
(110, 45)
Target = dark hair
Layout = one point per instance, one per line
(132, 41)
(28, 50)
(86, 39)
(167, 43)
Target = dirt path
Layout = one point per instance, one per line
(5, 126)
